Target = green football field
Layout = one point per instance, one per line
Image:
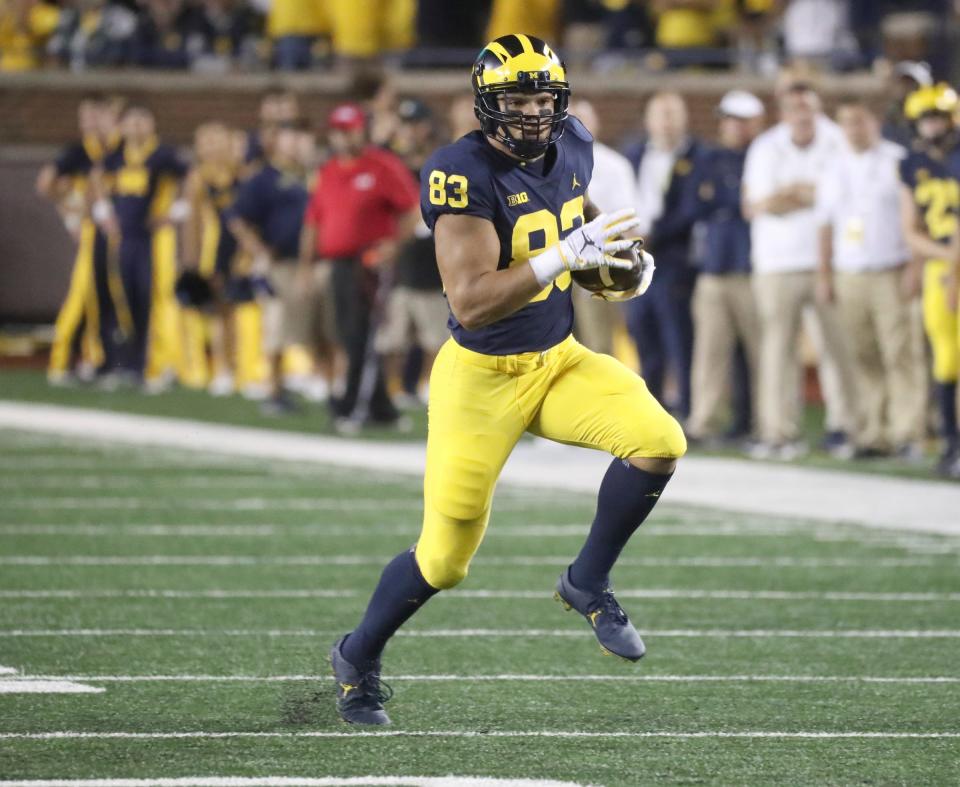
(168, 614)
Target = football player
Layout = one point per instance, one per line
(930, 205)
(209, 246)
(88, 306)
(507, 208)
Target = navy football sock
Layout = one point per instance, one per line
(402, 590)
(947, 404)
(627, 496)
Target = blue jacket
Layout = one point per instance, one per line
(727, 237)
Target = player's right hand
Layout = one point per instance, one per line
(594, 244)
(590, 246)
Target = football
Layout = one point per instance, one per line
(612, 279)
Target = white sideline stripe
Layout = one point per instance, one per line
(823, 734)
(519, 678)
(643, 593)
(7, 671)
(512, 560)
(203, 504)
(294, 781)
(733, 485)
(443, 633)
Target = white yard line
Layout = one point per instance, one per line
(768, 489)
(509, 560)
(640, 593)
(814, 734)
(507, 633)
(515, 678)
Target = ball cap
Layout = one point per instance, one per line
(347, 117)
(740, 104)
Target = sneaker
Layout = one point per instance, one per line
(948, 459)
(610, 623)
(221, 385)
(360, 694)
(278, 405)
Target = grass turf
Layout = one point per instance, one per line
(184, 526)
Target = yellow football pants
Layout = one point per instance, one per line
(940, 322)
(80, 307)
(480, 405)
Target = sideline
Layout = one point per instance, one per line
(730, 484)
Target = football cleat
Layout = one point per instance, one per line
(610, 623)
(360, 693)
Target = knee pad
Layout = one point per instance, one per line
(440, 571)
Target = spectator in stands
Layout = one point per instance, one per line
(364, 204)
(169, 34)
(660, 322)
(863, 255)
(540, 18)
(724, 312)
(416, 309)
(365, 29)
(612, 187)
(92, 33)
(778, 194)
(25, 26)
(686, 24)
(232, 27)
(266, 219)
(296, 28)
(818, 31)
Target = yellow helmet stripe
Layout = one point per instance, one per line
(499, 50)
(525, 42)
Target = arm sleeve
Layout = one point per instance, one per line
(401, 190)
(452, 184)
(758, 172)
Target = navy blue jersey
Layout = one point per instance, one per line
(935, 183)
(143, 184)
(530, 211)
(219, 192)
(273, 202)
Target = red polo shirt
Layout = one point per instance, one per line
(356, 203)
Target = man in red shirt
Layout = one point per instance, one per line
(364, 203)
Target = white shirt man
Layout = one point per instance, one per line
(779, 198)
(862, 257)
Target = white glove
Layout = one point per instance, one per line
(591, 246)
(647, 268)
(102, 211)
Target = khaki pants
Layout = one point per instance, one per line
(295, 316)
(876, 319)
(724, 312)
(781, 299)
(595, 321)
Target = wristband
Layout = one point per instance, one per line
(548, 265)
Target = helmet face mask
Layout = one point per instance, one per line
(515, 66)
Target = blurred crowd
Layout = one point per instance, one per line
(220, 35)
(275, 261)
